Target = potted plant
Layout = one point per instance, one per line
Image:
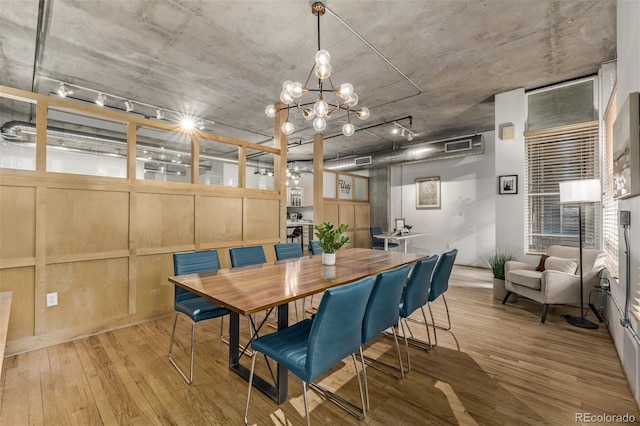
(330, 239)
(496, 262)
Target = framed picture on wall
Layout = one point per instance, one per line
(428, 193)
(508, 184)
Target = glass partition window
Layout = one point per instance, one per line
(85, 145)
(260, 169)
(360, 192)
(162, 155)
(345, 187)
(17, 134)
(218, 163)
(329, 185)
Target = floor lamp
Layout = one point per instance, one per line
(580, 191)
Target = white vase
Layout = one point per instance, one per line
(328, 259)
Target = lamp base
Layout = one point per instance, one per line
(581, 322)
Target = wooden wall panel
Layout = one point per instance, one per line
(165, 220)
(262, 219)
(346, 214)
(21, 282)
(330, 213)
(363, 239)
(154, 293)
(86, 221)
(17, 222)
(88, 293)
(219, 219)
(363, 220)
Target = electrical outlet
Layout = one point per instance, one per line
(52, 299)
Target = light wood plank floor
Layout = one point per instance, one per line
(498, 366)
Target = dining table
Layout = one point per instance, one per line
(250, 289)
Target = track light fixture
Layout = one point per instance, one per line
(63, 91)
(404, 132)
(100, 99)
(318, 111)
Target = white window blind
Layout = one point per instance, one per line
(610, 228)
(556, 155)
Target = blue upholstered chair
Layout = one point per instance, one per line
(382, 313)
(310, 347)
(439, 285)
(190, 304)
(378, 243)
(287, 251)
(243, 256)
(416, 295)
(314, 247)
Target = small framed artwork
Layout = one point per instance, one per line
(508, 184)
(399, 223)
(428, 193)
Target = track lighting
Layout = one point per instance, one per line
(128, 105)
(100, 99)
(63, 91)
(160, 114)
(404, 132)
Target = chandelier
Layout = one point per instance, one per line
(293, 92)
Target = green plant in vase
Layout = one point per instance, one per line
(330, 239)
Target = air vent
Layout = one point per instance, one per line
(457, 146)
(363, 161)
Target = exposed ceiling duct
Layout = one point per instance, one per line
(461, 146)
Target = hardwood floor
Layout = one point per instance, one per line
(498, 366)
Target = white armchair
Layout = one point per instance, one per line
(559, 282)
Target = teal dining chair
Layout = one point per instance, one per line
(439, 285)
(314, 247)
(378, 243)
(286, 251)
(244, 256)
(195, 307)
(416, 295)
(382, 312)
(312, 346)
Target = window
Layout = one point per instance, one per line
(610, 226)
(561, 144)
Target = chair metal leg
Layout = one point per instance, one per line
(189, 379)
(306, 403)
(406, 343)
(506, 297)
(435, 334)
(366, 384)
(376, 363)
(246, 408)
(358, 412)
(545, 309)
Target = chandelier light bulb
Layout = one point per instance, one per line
(348, 129)
(321, 108)
(287, 128)
(319, 124)
(345, 90)
(308, 114)
(322, 57)
(296, 89)
(323, 71)
(271, 111)
(286, 85)
(351, 100)
(363, 113)
(286, 97)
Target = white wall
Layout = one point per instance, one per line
(628, 72)
(466, 220)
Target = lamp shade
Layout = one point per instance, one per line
(580, 191)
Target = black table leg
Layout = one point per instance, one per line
(278, 392)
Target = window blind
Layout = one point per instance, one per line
(556, 155)
(610, 228)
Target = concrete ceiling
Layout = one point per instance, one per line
(226, 60)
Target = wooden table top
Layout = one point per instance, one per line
(254, 288)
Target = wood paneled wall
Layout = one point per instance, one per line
(105, 244)
(355, 214)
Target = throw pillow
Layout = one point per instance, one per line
(540, 267)
(561, 264)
